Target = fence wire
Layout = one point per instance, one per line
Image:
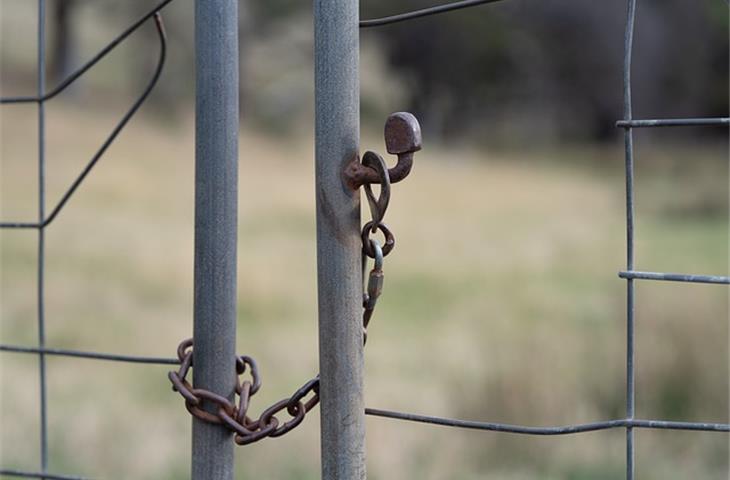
(628, 123)
(42, 96)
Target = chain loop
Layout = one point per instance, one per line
(377, 207)
(365, 235)
(213, 408)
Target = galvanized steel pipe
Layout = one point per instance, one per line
(339, 275)
(216, 197)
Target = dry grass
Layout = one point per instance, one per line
(501, 303)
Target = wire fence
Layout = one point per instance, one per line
(629, 422)
(44, 219)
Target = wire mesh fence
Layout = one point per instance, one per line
(629, 422)
(44, 219)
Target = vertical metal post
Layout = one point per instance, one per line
(339, 276)
(216, 197)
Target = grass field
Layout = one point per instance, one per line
(501, 303)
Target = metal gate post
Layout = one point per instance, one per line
(216, 197)
(339, 275)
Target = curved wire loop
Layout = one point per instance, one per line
(120, 125)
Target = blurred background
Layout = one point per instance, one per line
(502, 300)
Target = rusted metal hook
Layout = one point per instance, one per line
(402, 138)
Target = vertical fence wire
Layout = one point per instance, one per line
(629, 162)
(40, 98)
(41, 88)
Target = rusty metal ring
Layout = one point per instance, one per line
(254, 372)
(219, 400)
(240, 366)
(233, 424)
(268, 415)
(185, 365)
(379, 206)
(256, 436)
(291, 424)
(251, 424)
(312, 402)
(312, 385)
(183, 347)
(202, 414)
(244, 397)
(367, 248)
(183, 387)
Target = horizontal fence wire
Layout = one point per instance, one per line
(675, 277)
(42, 475)
(675, 122)
(112, 357)
(426, 12)
(561, 430)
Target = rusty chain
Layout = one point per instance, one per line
(400, 132)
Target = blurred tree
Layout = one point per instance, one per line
(553, 68)
(514, 70)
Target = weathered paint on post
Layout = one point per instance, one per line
(339, 275)
(216, 197)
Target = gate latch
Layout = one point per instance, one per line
(402, 138)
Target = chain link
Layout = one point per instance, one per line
(221, 410)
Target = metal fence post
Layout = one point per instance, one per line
(339, 275)
(216, 197)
